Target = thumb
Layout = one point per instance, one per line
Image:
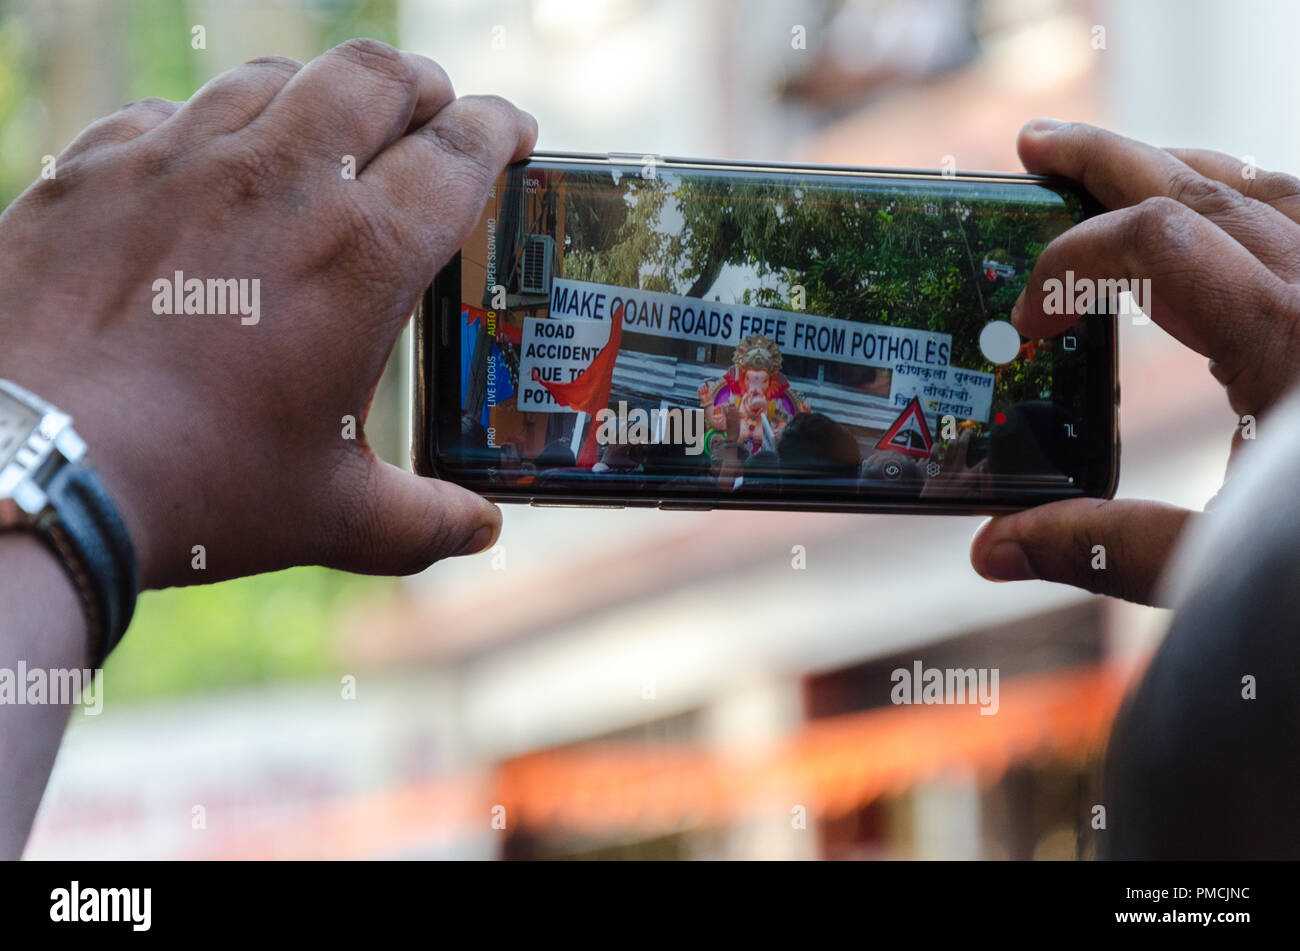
(408, 522)
(1059, 542)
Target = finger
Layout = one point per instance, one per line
(1115, 547)
(130, 122)
(358, 98)
(1278, 189)
(439, 175)
(1194, 273)
(1266, 224)
(230, 101)
(407, 522)
(1116, 170)
(1121, 172)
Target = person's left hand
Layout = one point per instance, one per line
(212, 431)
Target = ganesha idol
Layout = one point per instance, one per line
(754, 384)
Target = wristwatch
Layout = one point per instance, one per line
(47, 488)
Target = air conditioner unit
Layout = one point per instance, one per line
(537, 264)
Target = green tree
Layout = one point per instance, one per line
(900, 254)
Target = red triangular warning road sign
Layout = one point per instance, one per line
(909, 433)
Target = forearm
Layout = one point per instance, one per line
(42, 628)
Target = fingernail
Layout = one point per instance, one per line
(1045, 125)
(479, 542)
(1007, 561)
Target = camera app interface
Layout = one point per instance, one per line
(705, 332)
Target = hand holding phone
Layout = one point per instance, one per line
(1219, 241)
(236, 428)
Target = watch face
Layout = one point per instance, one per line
(17, 421)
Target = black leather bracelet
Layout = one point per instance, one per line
(91, 542)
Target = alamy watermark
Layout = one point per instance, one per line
(671, 425)
(1083, 297)
(78, 903)
(214, 297)
(36, 686)
(956, 685)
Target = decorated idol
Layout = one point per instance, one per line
(755, 385)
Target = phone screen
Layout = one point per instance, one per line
(737, 335)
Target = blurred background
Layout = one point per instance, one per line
(644, 684)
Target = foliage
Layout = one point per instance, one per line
(269, 627)
(635, 257)
(902, 254)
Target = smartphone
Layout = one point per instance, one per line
(625, 330)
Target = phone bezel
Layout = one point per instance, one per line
(1100, 482)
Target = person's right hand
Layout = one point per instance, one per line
(1220, 244)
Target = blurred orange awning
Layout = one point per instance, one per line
(831, 766)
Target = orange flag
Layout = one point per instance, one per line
(589, 393)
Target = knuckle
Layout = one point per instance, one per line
(505, 115)
(249, 173)
(494, 102)
(464, 139)
(443, 77)
(386, 62)
(149, 106)
(1188, 187)
(372, 229)
(153, 161)
(281, 64)
(70, 174)
(132, 120)
(267, 72)
(1161, 224)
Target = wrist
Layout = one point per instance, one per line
(137, 515)
(49, 491)
(30, 574)
(130, 487)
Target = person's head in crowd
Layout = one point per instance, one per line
(815, 445)
(671, 461)
(556, 455)
(1030, 442)
(618, 457)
